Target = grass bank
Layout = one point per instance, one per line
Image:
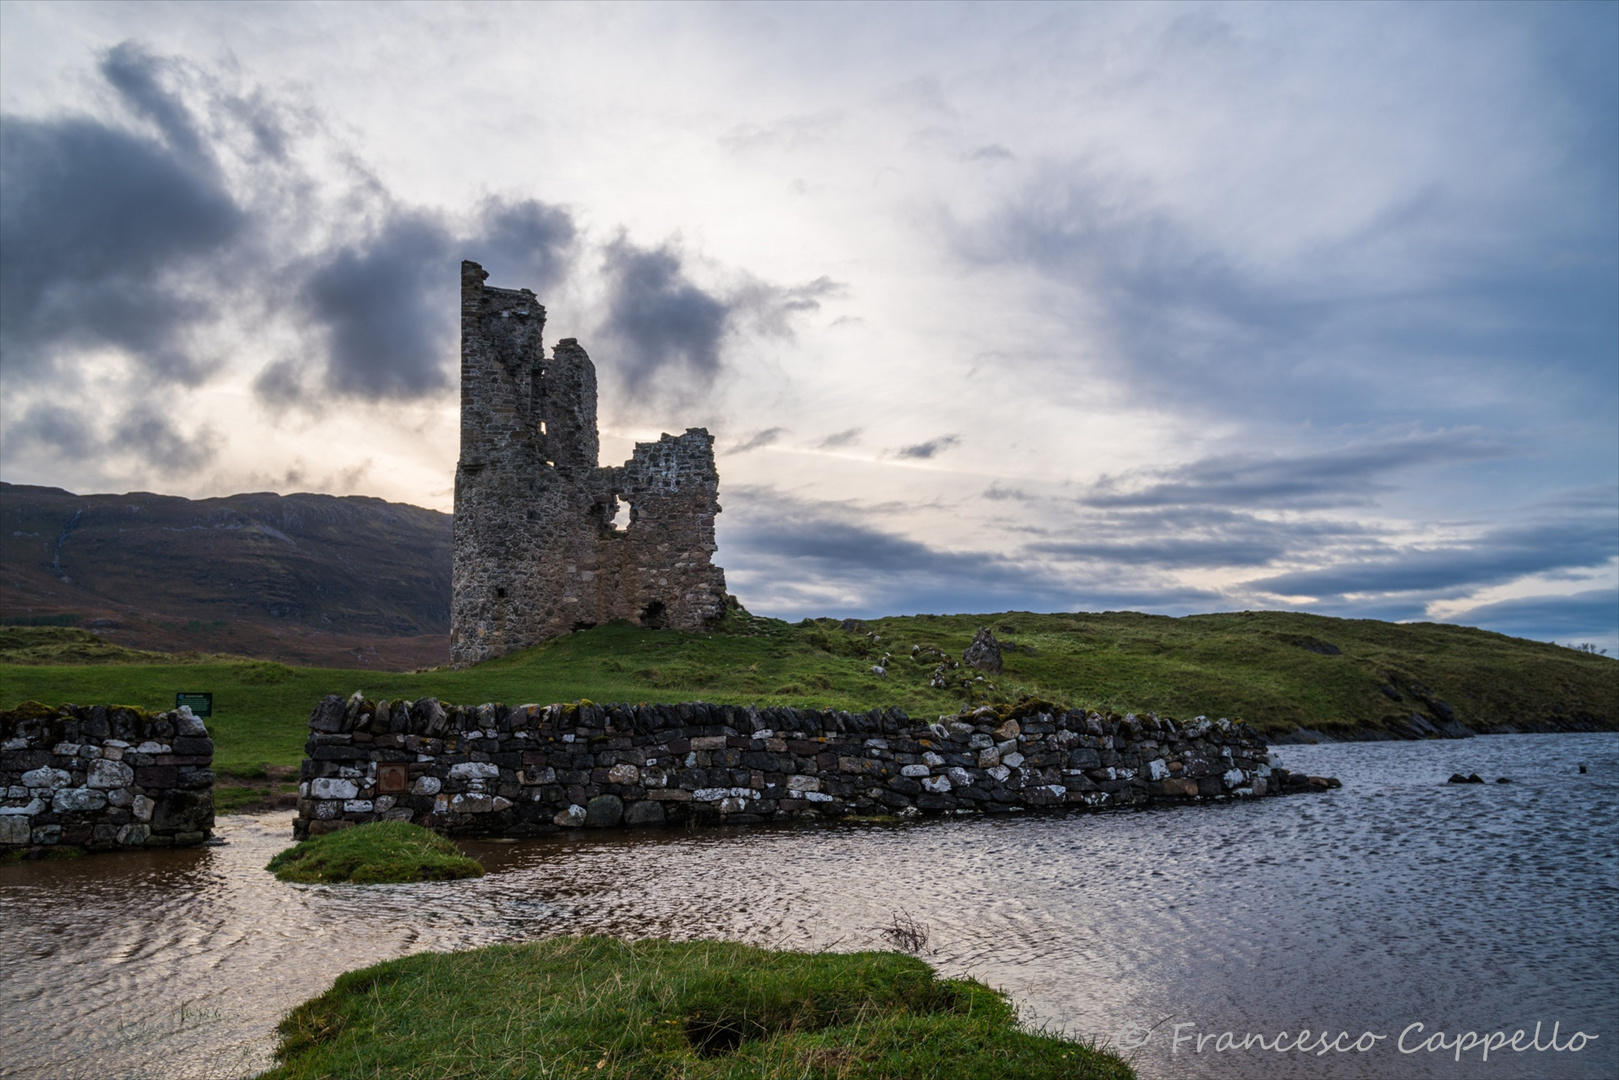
(1277, 670)
(377, 853)
(601, 1007)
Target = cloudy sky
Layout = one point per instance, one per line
(1174, 308)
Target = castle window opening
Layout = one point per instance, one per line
(655, 616)
(621, 515)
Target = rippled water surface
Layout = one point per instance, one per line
(1394, 901)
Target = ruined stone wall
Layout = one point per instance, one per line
(498, 771)
(103, 777)
(537, 553)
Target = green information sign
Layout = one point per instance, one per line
(202, 705)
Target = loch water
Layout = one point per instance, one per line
(1397, 900)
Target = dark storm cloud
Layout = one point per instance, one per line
(926, 450)
(130, 239)
(141, 431)
(1199, 537)
(137, 76)
(160, 443)
(282, 384)
(771, 309)
(1577, 536)
(788, 556)
(1474, 276)
(658, 319)
(1342, 477)
(523, 243)
(1575, 618)
(104, 233)
(383, 306)
(387, 305)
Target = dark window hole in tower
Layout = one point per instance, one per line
(500, 593)
(655, 616)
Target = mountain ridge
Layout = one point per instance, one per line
(337, 580)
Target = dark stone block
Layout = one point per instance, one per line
(184, 744)
(339, 753)
(95, 724)
(192, 777)
(183, 812)
(24, 760)
(604, 811)
(157, 776)
(329, 716)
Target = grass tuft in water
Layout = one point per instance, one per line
(378, 853)
(603, 1007)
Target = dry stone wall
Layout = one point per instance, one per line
(540, 549)
(102, 777)
(511, 771)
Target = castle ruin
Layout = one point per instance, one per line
(541, 544)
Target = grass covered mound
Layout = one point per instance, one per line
(378, 853)
(70, 645)
(602, 1007)
(1276, 670)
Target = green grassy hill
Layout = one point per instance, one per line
(1279, 671)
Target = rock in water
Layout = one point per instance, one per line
(984, 653)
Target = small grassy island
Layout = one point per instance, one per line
(602, 1007)
(378, 853)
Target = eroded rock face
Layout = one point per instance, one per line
(984, 653)
(543, 545)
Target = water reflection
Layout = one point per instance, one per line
(1395, 900)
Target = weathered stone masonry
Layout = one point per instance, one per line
(494, 770)
(537, 553)
(103, 777)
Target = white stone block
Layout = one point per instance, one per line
(327, 787)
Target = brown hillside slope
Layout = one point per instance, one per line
(311, 579)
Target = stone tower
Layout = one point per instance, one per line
(537, 550)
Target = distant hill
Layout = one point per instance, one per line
(350, 582)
